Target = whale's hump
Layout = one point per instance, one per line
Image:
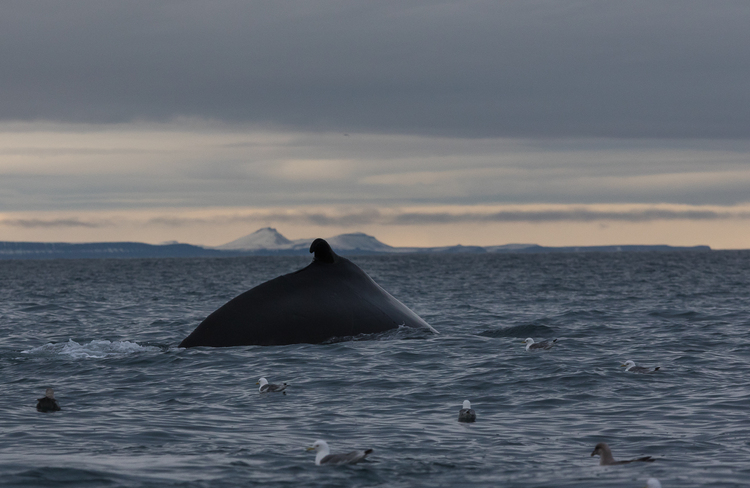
(331, 297)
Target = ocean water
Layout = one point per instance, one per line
(138, 411)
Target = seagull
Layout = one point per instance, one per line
(467, 414)
(653, 483)
(605, 456)
(630, 366)
(48, 403)
(324, 455)
(266, 387)
(530, 344)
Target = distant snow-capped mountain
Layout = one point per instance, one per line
(358, 241)
(265, 238)
(270, 239)
(269, 242)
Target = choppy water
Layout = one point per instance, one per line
(138, 411)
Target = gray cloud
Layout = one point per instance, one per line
(576, 215)
(373, 216)
(356, 219)
(675, 68)
(53, 223)
(365, 216)
(364, 171)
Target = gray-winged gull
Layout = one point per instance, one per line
(653, 483)
(266, 387)
(467, 414)
(530, 344)
(48, 403)
(606, 459)
(630, 366)
(324, 455)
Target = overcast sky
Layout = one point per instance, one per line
(423, 123)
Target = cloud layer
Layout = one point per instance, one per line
(560, 122)
(329, 217)
(571, 68)
(131, 166)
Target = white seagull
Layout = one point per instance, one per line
(530, 344)
(324, 455)
(630, 366)
(606, 459)
(467, 414)
(266, 387)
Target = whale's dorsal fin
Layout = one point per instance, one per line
(323, 251)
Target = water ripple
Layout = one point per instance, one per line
(139, 411)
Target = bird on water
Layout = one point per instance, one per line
(467, 414)
(266, 387)
(48, 403)
(324, 455)
(630, 366)
(530, 344)
(606, 459)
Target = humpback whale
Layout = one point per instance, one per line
(331, 297)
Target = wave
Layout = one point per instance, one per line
(402, 332)
(96, 349)
(524, 330)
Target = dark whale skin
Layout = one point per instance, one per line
(330, 298)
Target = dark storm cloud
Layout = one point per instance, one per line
(466, 68)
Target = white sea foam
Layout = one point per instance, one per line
(93, 349)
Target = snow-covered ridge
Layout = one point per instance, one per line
(265, 238)
(270, 239)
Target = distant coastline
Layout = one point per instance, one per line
(268, 242)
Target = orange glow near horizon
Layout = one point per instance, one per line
(213, 227)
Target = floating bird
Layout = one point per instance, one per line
(48, 403)
(630, 366)
(653, 483)
(530, 344)
(605, 456)
(467, 414)
(324, 455)
(266, 387)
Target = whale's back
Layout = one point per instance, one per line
(312, 305)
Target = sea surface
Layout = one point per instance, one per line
(137, 411)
